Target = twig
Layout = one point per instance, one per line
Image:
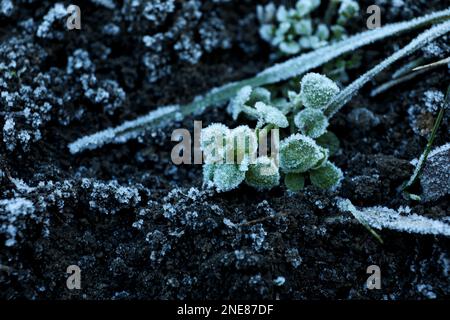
(388, 85)
(248, 223)
(433, 65)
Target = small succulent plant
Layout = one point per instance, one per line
(231, 154)
(293, 30)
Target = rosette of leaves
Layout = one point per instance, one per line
(235, 160)
(293, 30)
(300, 155)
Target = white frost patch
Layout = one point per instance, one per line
(11, 210)
(385, 218)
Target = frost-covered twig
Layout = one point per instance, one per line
(279, 72)
(385, 218)
(423, 39)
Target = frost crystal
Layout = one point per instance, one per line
(299, 153)
(6, 7)
(54, 14)
(11, 211)
(311, 122)
(317, 90)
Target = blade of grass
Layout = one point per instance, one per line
(424, 38)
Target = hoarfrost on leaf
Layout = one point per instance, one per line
(317, 90)
(299, 153)
(311, 122)
(385, 218)
(263, 174)
(241, 143)
(328, 176)
(270, 115)
(227, 177)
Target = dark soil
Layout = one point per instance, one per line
(214, 246)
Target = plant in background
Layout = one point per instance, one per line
(230, 155)
(293, 30)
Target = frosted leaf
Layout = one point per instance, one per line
(294, 181)
(311, 122)
(303, 27)
(213, 142)
(241, 142)
(329, 141)
(323, 32)
(227, 177)
(282, 14)
(259, 94)
(327, 176)
(299, 153)
(317, 90)
(267, 32)
(270, 115)
(290, 47)
(276, 73)
(385, 218)
(347, 10)
(305, 7)
(266, 13)
(237, 103)
(263, 174)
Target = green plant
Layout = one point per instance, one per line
(293, 30)
(299, 154)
